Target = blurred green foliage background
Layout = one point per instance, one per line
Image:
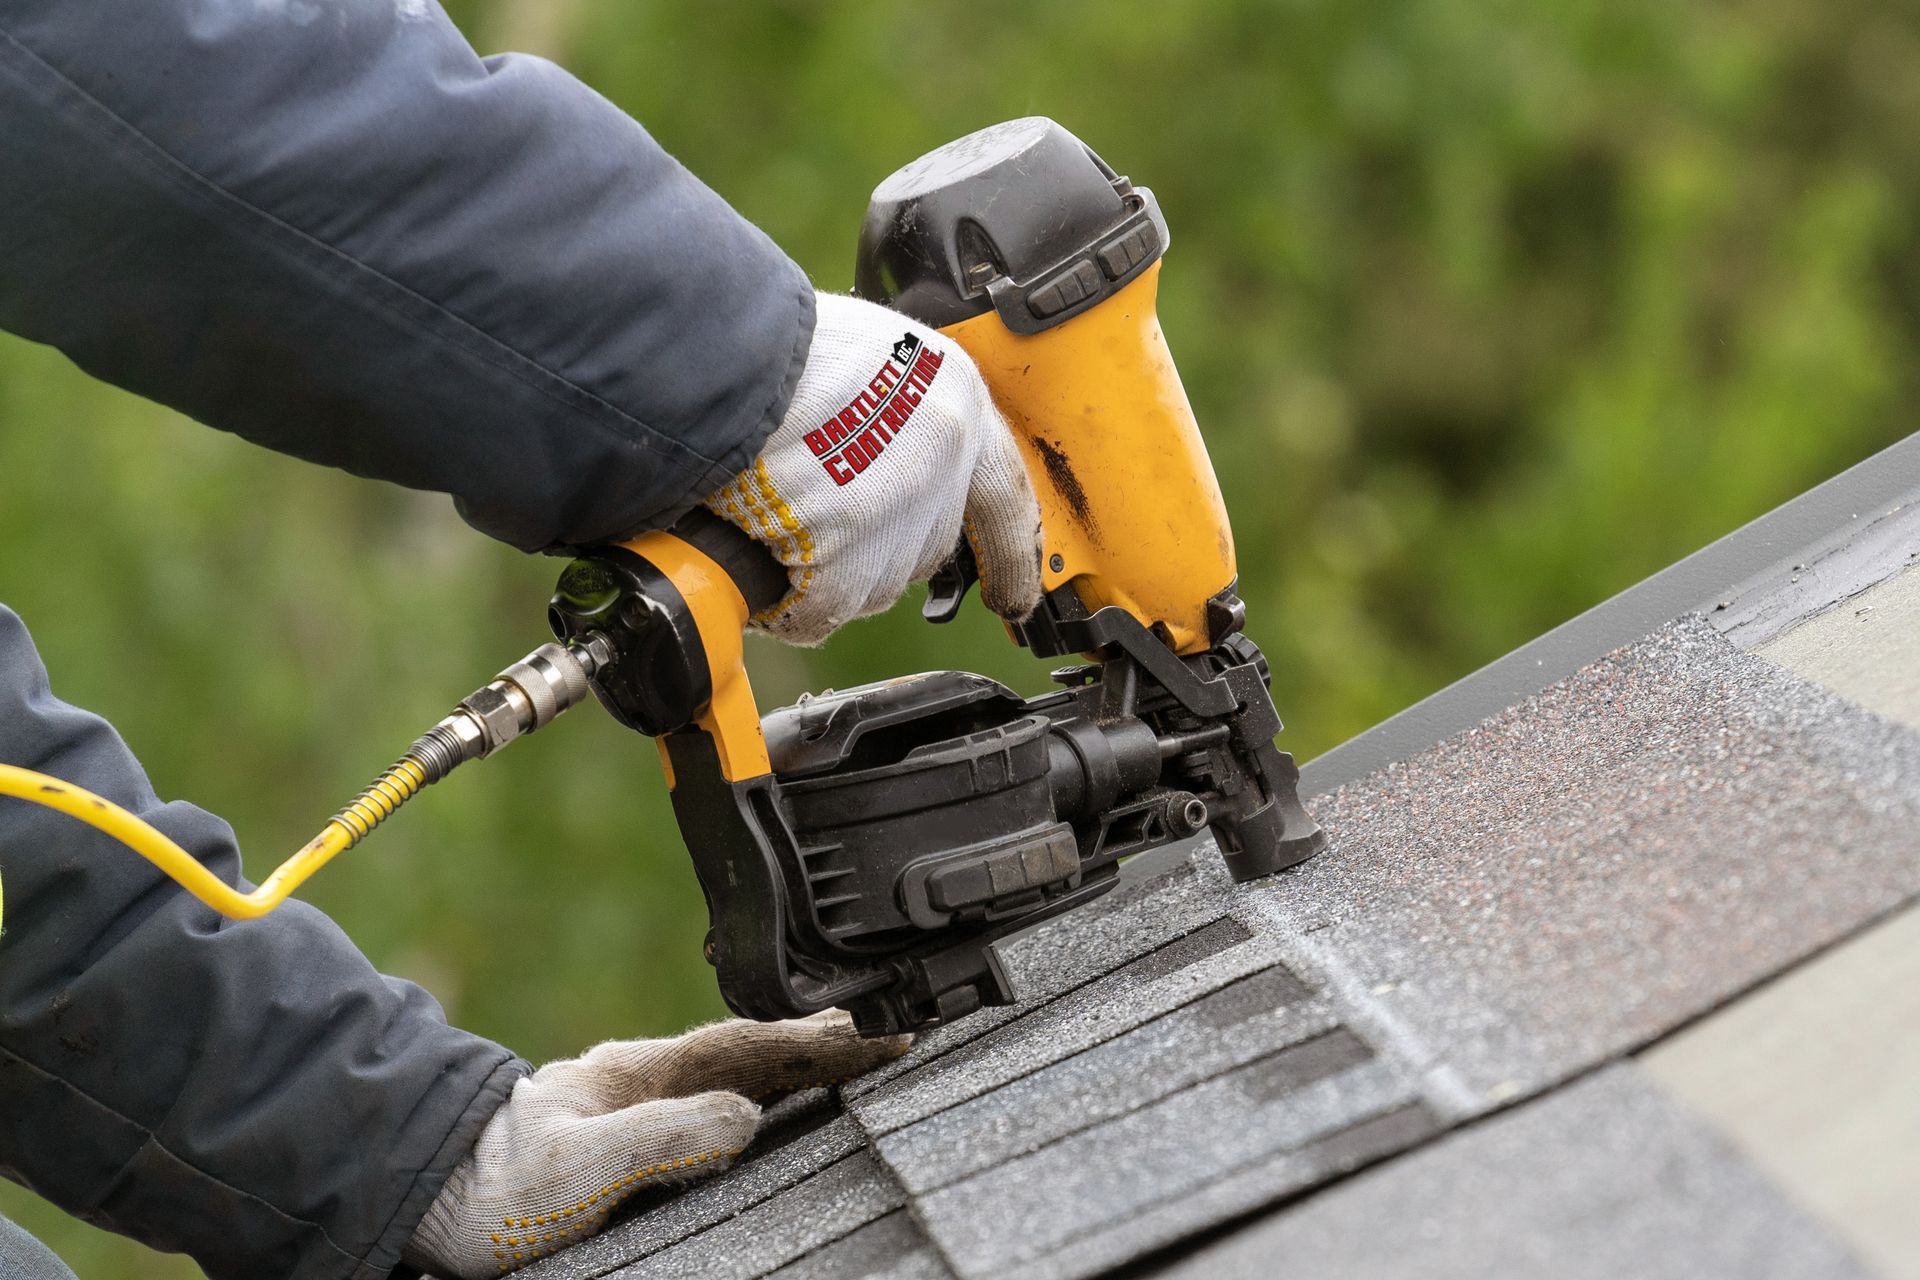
(1488, 310)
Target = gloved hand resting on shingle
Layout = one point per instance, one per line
(577, 1137)
(890, 445)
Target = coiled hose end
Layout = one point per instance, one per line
(524, 697)
(386, 793)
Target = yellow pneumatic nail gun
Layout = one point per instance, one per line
(865, 849)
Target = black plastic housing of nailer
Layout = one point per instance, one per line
(908, 825)
(913, 823)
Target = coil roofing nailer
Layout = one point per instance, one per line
(865, 848)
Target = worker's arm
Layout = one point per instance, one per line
(328, 226)
(252, 1093)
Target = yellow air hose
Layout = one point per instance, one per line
(524, 697)
(401, 781)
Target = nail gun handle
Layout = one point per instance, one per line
(672, 605)
(756, 573)
(1043, 263)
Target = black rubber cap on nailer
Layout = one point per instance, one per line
(1020, 218)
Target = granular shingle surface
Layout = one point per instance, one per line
(1602, 1180)
(827, 1207)
(888, 1248)
(1146, 1178)
(1245, 1021)
(799, 1138)
(1609, 858)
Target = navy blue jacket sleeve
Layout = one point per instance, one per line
(328, 226)
(251, 1093)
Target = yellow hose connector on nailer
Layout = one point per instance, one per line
(524, 697)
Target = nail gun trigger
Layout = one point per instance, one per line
(950, 584)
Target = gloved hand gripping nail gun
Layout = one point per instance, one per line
(865, 848)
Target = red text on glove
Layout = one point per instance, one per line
(850, 441)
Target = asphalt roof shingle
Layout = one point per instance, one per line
(1649, 1193)
(1609, 858)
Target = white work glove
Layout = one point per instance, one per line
(891, 442)
(578, 1137)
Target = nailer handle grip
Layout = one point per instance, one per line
(759, 575)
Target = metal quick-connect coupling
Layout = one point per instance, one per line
(524, 697)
